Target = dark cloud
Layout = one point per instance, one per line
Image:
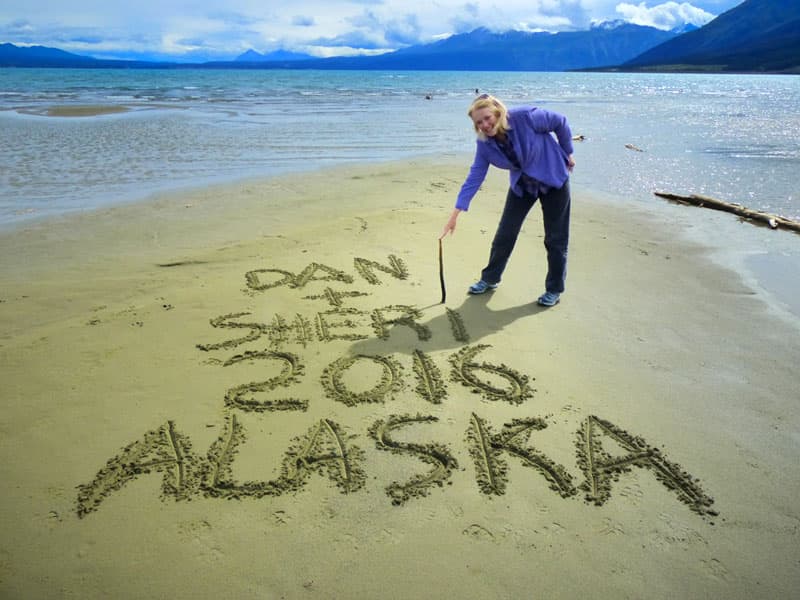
(17, 25)
(302, 21)
(233, 18)
(89, 39)
(574, 11)
(395, 32)
(366, 20)
(466, 19)
(403, 32)
(354, 39)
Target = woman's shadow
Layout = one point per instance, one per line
(448, 328)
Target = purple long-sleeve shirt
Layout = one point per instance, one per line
(540, 156)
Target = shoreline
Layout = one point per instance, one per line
(176, 189)
(175, 369)
(765, 259)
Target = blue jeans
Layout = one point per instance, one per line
(555, 213)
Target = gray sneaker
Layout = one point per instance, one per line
(481, 286)
(549, 299)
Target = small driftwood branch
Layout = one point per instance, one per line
(759, 217)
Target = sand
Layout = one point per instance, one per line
(252, 391)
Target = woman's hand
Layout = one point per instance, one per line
(450, 227)
(570, 163)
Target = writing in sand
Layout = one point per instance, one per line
(328, 449)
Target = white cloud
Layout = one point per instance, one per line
(668, 15)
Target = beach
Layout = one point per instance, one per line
(253, 390)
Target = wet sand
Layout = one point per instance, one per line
(252, 391)
(87, 110)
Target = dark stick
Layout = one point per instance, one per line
(441, 272)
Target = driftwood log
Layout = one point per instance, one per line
(757, 216)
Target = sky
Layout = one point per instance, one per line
(200, 30)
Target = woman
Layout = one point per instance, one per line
(520, 140)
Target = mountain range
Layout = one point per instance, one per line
(483, 50)
(478, 50)
(756, 36)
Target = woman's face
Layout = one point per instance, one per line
(485, 120)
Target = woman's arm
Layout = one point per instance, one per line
(547, 121)
(470, 187)
(474, 180)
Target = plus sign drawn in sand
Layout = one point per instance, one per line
(337, 318)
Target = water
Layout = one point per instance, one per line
(735, 137)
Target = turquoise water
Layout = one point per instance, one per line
(736, 137)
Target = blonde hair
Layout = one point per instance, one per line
(498, 108)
